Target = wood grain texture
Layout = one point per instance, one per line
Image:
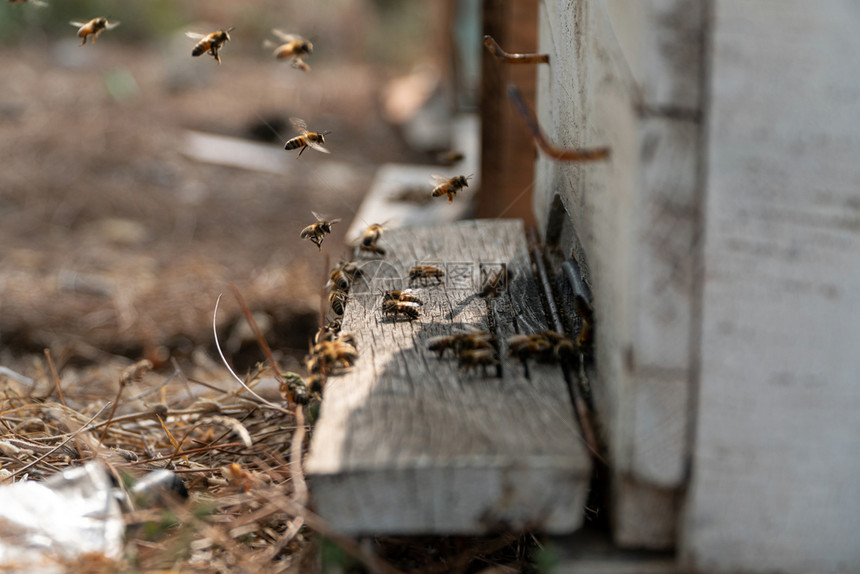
(628, 75)
(775, 471)
(408, 443)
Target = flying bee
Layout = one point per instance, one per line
(404, 295)
(424, 272)
(293, 47)
(449, 187)
(395, 309)
(316, 232)
(472, 358)
(306, 139)
(374, 249)
(372, 234)
(337, 300)
(294, 389)
(93, 28)
(211, 43)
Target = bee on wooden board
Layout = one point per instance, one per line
(316, 232)
(457, 342)
(306, 138)
(368, 242)
(343, 274)
(334, 355)
(425, 272)
(93, 28)
(292, 47)
(211, 43)
(472, 358)
(396, 309)
(405, 295)
(449, 187)
(524, 347)
(337, 299)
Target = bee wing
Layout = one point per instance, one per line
(317, 146)
(318, 216)
(284, 37)
(300, 125)
(195, 35)
(437, 179)
(78, 24)
(112, 25)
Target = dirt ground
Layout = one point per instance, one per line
(114, 241)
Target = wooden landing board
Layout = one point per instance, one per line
(409, 444)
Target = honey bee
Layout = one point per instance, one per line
(334, 355)
(337, 299)
(405, 295)
(449, 187)
(373, 249)
(395, 309)
(93, 28)
(316, 232)
(424, 272)
(316, 381)
(294, 389)
(293, 47)
(306, 139)
(211, 43)
(343, 274)
(472, 358)
(372, 234)
(524, 347)
(459, 342)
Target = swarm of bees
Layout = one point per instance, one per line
(292, 47)
(449, 187)
(316, 232)
(471, 348)
(424, 273)
(93, 28)
(211, 43)
(306, 138)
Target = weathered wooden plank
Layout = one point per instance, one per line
(408, 443)
(774, 483)
(632, 224)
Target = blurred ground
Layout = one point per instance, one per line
(113, 241)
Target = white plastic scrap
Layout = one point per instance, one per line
(45, 524)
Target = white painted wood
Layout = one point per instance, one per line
(410, 444)
(628, 75)
(775, 470)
